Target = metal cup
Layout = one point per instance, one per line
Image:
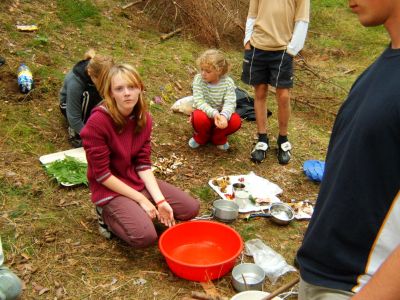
(238, 186)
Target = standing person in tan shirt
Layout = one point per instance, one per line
(275, 33)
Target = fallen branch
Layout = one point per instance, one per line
(281, 289)
(314, 106)
(273, 90)
(131, 3)
(170, 34)
(349, 71)
(307, 67)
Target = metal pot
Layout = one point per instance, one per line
(225, 210)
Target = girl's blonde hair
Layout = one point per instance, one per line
(98, 67)
(130, 74)
(214, 59)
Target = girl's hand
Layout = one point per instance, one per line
(220, 121)
(166, 214)
(149, 208)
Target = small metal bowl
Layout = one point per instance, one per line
(281, 213)
(247, 277)
(238, 186)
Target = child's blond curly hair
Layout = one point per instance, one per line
(214, 59)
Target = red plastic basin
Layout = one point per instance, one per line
(200, 250)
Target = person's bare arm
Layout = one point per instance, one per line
(385, 284)
(118, 186)
(165, 212)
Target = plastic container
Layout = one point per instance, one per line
(25, 79)
(242, 199)
(200, 250)
(10, 285)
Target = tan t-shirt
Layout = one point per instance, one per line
(275, 20)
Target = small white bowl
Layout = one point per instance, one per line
(252, 295)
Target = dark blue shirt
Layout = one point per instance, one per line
(356, 222)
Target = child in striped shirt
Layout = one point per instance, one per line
(214, 97)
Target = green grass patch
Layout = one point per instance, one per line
(77, 12)
(329, 3)
(204, 193)
(7, 190)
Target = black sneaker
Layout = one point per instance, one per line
(259, 152)
(103, 228)
(284, 153)
(74, 138)
(75, 142)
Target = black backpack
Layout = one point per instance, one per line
(245, 105)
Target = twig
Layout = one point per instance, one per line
(120, 286)
(310, 69)
(154, 272)
(320, 33)
(170, 34)
(131, 3)
(162, 15)
(245, 282)
(349, 71)
(229, 16)
(146, 5)
(313, 106)
(282, 289)
(84, 225)
(176, 294)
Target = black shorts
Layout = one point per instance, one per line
(271, 67)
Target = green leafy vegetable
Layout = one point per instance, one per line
(68, 171)
(252, 199)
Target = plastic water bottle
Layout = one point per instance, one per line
(10, 285)
(1, 254)
(25, 79)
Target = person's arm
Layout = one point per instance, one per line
(118, 186)
(385, 284)
(248, 32)
(298, 38)
(74, 94)
(229, 105)
(198, 98)
(143, 169)
(166, 214)
(251, 19)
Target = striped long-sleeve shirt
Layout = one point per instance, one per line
(109, 152)
(214, 98)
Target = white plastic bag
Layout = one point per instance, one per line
(183, 105)
(273, 264)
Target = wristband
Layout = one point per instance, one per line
(159, 202)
